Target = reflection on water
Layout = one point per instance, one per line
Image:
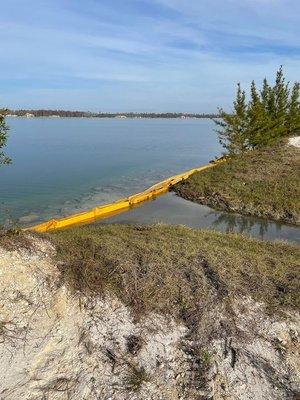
(236, 223)
(171, 209)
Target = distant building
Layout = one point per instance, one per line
(28, 115)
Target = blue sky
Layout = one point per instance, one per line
(142, 55)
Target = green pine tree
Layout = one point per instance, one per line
(293, 117)
(265, 95)
(272, 113)
(258, 120)
(268, 99)
(232, 134)
(281, 94)
(281, 102)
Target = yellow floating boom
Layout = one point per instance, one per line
(119, 205)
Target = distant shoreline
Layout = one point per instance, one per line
(100, 115)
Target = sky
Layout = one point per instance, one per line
(142, 55)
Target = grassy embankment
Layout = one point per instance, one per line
(263, 183)
(197, 277)
(176, 270)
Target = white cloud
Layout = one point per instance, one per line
(191, 59)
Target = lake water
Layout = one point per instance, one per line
(66, 165)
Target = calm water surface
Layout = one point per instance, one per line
(65, 165)
(171, 209)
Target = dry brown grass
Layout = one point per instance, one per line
(14, 239)
(176, 270)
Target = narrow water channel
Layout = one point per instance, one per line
(172, 209)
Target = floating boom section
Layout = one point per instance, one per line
(121, 205)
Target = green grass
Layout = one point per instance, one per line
(263, 183)
(176, 270)
(135, 378)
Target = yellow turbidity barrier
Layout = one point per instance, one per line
(118, 206)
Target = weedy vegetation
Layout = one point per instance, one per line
(14, 239)
(173, 269)
(263, 182)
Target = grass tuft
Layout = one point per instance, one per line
(135, 378)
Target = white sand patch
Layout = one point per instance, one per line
(295, 141)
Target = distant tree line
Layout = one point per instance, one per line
(87, 114)
(271, 113)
